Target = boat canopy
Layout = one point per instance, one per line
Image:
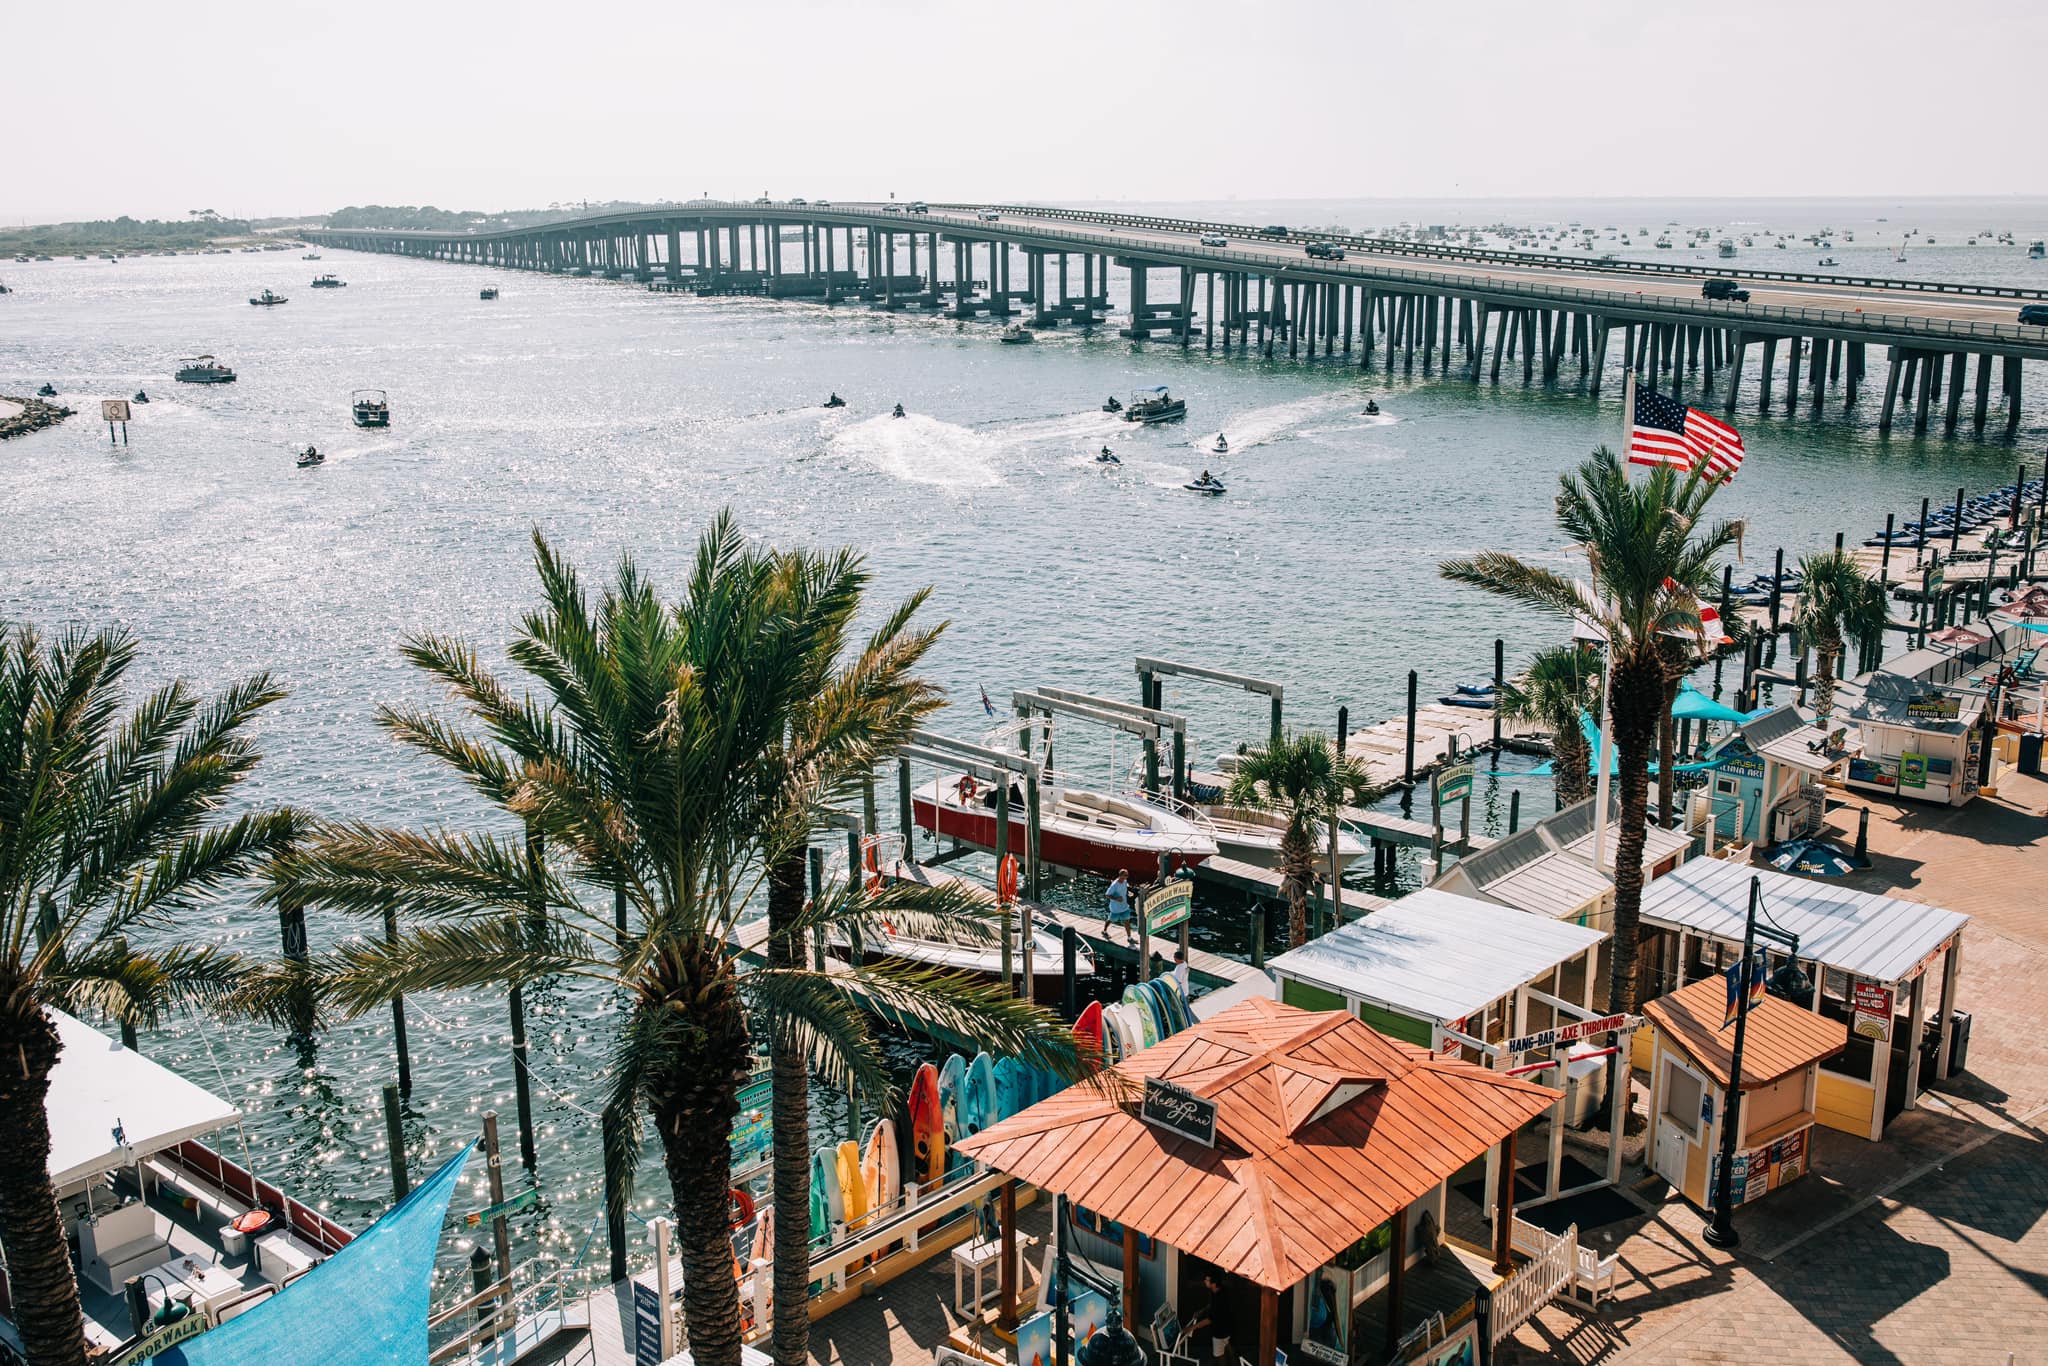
(110, 1107)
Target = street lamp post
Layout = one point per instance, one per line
(1721, 1232)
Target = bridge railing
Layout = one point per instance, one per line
(1762, 318)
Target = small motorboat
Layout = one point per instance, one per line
(898, 412)
(1016, 334)
(327, 282)
(1106, 456)
(1826, 261)
(311, 256)
(370, 408)
(1253, 836)
(1372, 409)
(1155, 405)
(47, 391)
(203, 370)
(835, 402)
(1222, 446)
(141, 396)
(268, 300)
(1463, 698)
(487, 292)
(941, 945)
(310, 457)
(1110, 405)
(1208, 483)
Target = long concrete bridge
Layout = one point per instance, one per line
(1459, 310)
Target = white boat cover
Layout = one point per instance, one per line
(99, 1086)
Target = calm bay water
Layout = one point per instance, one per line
(619, 420)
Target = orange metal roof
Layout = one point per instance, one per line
(1286, 1187)
(1780, 1038)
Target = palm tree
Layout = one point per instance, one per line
(108, 830)
(1560, 685)
(655, 765)
(1838, 602)
(1306, 778)
(1651, 562)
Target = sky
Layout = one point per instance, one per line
(295, 108)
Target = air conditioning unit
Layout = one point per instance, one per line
(1787, 820)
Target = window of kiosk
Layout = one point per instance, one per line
(1682, 1095)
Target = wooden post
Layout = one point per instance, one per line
(1006, 1314)
(398, 1017)
(394, 1137)
(1269, 1327)
(1130, 1274)
(1397, 1269)
(501, 1236)
(1504, 1207)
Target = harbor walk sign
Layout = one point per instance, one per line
(1179, 1111)
(1168, 906)
(1454, 784)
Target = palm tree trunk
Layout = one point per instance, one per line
(1298, 859)
(792, 1132)
(39, 1275)
(1666, 742)
(1828, 647)
(1638, 693)
(1570, 755)
(694, 1102)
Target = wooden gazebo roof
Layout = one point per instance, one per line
(1780, 1038)
(1324, 1130)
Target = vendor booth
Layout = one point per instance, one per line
(1469, 979)
(1924, 717)
(1303, 1159)
(1692, 1037)
(1773, 766)
(1547, 868)
(1885, 968)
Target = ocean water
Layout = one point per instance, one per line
(618, 420)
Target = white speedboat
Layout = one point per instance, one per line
(1253, 836)
(144, 1200)
(974, 950)
(1016, 333)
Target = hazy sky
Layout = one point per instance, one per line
(289, 107)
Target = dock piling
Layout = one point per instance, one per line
(394, 1137)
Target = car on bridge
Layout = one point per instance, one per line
(1726, 290)
(1273, 230)
(1212, 240)
(989, 215)
(920, 207)
(1325, 251)
(2034, 315)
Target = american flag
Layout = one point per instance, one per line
(1666, 432)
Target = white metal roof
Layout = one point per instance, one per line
(97, 1085)
(1876, 937)
(1438, 956)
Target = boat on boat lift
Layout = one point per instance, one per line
(1079, 829)
(964, 948)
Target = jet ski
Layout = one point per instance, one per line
(310, 457)
(837, 402)
(1372, 409)
(1110, 405)
(1222, 446)
(898, 412)
(1208, 483)
(1106, 456)
(47, 391)
(141, 397)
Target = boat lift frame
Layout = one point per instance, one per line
(1089, 707)
(1151, 691)
(994, 766)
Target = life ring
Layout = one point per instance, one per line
(250, 1221)
(742, 1208)
(967, 787)
(1006, 878)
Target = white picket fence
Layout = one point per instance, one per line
(1553, 1262)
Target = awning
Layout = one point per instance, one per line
(98, 1087)
(1878, 938)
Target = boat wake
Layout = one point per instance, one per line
(921, 450)
(1264, 426)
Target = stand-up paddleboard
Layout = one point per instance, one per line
(1139, 1008)
(952, 1080)
(1130, 1037)
(827, 1200)
(764, 1238)
(879, 1167)
(1013, 1087)
(978, 1106)
(853, 1188)
(1157, 995)
(1088, 1033)
(927, 1127)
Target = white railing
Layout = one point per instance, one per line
(1552, 1265)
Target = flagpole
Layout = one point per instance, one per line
(1602, 781)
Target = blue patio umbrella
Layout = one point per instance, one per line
(1694, 705)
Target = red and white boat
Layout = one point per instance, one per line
(1078, 830)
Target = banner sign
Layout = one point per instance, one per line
(1738, 761)
(511, 1204)
(1179, 1111)
(1912, 770)
(751, 1136)
(1572, 1033)
(1872, 1005)
(1933, 706)
(1874, 772)
(1168, 905)
(1454, 784)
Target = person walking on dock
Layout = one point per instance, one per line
(1118, 908)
